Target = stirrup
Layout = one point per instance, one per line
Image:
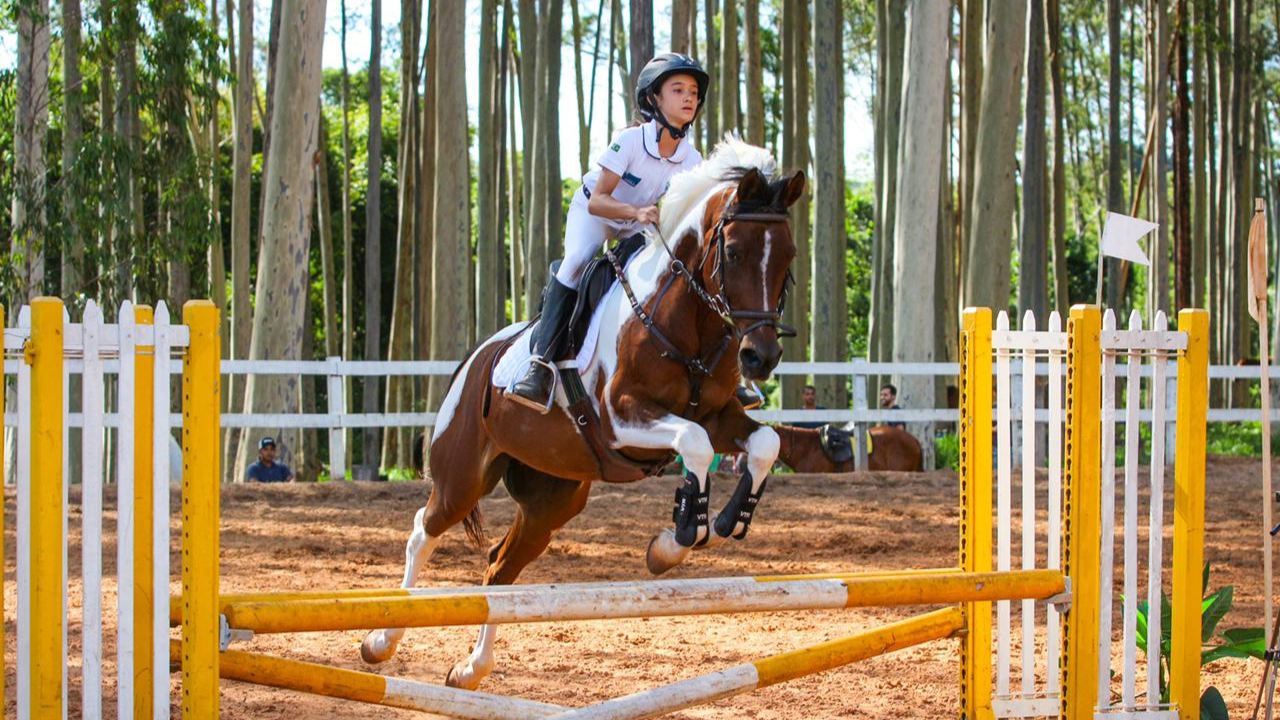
(551, 392)
(749, 398)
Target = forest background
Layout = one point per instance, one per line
(344, 184)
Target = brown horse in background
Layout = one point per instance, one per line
(656, 381)
(830, 450)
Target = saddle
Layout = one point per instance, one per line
(596, 281)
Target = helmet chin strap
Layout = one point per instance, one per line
(676, 133)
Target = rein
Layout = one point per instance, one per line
(700, 367)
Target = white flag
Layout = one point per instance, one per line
(1120, 237)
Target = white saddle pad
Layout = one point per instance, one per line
(511, 366)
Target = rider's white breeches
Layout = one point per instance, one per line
(584, 235)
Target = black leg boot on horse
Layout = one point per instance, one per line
(537, 388)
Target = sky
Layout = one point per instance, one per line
(858, 127)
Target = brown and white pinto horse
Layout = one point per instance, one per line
(659, 388)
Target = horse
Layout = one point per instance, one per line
(829, 449)
(710, 282)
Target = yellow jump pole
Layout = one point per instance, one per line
(144, 364)
(1081, 510)
(1188, 514)
(975, 507)
(654, 599)
(365, 687)
(175, 602)
(46, 599)
(201, 475)
(775, 669)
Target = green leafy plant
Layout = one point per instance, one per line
(946, 449)
(1237, 642)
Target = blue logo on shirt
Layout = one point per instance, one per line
(630, 179)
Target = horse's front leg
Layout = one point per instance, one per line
(733, 431)
(692, 502)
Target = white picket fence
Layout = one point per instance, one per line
(862, 413)
(1146, 355)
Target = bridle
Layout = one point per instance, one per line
(699, 367)
(719, 302)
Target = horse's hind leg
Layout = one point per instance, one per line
(449, 504)
(543, 505)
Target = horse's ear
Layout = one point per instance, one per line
(751, 186)
(793, 189)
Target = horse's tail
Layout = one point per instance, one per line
(473, 525)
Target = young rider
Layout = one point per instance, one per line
(617, 199)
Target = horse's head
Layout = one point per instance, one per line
(750, 249)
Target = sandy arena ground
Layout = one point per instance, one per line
(332, 536)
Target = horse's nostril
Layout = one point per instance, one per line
(749, 358)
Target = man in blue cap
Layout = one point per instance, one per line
(267, 469)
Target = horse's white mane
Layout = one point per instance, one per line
(690, 188)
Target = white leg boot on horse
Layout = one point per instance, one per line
(380, 645)
(691, 515)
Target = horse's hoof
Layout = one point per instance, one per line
(375, 649)
(462, 680)
(664, 552)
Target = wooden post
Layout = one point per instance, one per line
(975, 507)
(47, 601)
(1188, 514)
(1081, 512)
(201, 475)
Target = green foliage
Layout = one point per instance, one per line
(859, 227)
(1243, 439)
(1235, 643)
(946, 450)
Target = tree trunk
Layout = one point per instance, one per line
(972, 43)
(584, 136)
(278, 325)
(349, 321)
(488, 244)
(29, 160)
(1158, 102)
(796, 156)
(923, 105)
(680, 19)
(533, 93)
(128, 135)
(426, 202)
(324, 224)
(730, 71)
(241, 210)
(1062, 301)
(373, 238)
(889, 104)
(551, 117)
(396, 444)
(991, 215)
(711, 109)
(1198, 174)
(641, 36)
(1182, 169)
(755, 74)
(452, 226)
(1033, 285)
(309, 466)
(830, 313)
(72, 132)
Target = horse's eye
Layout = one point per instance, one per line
(732, 255)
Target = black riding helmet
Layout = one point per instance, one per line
(655, 72)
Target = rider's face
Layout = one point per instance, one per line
(678, 99)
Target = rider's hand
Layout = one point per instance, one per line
(647, 215)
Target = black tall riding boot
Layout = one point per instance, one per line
(548, 342)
